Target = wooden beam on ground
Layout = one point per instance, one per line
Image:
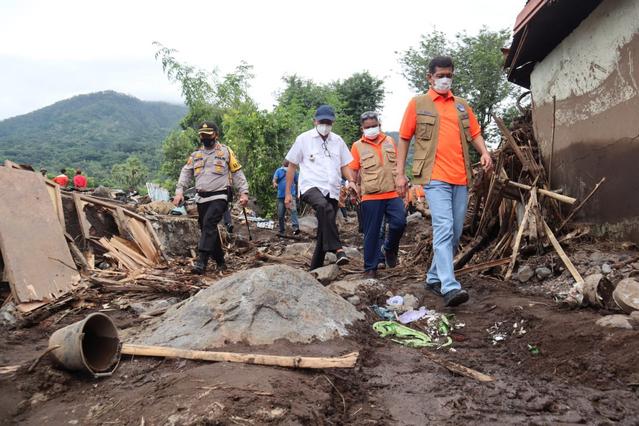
(344, 361)
(460, 369)
(559, 197)
(482, 266)
(580, 205)
(562, 254)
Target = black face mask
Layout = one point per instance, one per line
(208, 143)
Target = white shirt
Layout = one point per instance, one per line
(320, 163)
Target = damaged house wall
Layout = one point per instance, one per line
(594, 75)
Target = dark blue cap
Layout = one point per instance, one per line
(325, 112)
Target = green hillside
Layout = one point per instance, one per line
(92, 131)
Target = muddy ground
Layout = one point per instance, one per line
(583, 374)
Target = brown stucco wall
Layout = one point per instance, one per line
(597, 130)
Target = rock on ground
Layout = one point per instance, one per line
(308, 224)
(326, 274)
(347, 288)
(257, 306)
(525, 273)
(299, 249)
(177, 234)
(543, 272)
(615, 321)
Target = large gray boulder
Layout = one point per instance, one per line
(308, 224)
(257, 306)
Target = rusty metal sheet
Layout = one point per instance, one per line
(37, 260)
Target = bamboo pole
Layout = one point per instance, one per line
(520, 232)
(559, 197)
(344, 361)
(562, 254)
(580, 205)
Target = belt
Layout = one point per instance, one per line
(206, 194)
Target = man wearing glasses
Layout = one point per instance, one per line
(444, 126)
(323, 159)
(374, 162)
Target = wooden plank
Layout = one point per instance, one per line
(123, 246)
(124, 260)
(56, 198)
(510, 141)
(520, 232)
(143, 239)
(344, 361)
(559, 197)
(460, 369)
(482, 266)
(562, 254)
(85, 226)
(38, 263)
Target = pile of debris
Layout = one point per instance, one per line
(54, 242)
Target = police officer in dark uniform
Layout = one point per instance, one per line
(214, 168)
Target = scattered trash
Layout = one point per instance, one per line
(534, 350)
(413, 315)
(395, 303)
(383, 313)
(405, 335)
(266, 224)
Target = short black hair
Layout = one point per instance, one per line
(441, 62)
(63, 171)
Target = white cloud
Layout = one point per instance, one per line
(53, 50)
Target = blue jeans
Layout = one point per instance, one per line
(448, 205)
(281, 215)
(373, 213)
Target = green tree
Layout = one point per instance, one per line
(130, 174)
(358, 93)
(479, 76)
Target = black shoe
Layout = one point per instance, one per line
(371, 273)
(455, 297)
(391, 258)
(435, 288)
(342, 259)
(200, 265)
(296, 232)
(221, 267)
(229, 229)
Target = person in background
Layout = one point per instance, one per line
(62, 179)
(212, 167)
(43, 172)
(79, 181)
(374, 158)
(415, 199)
(323, 159)
(279, 182)
(443, 125)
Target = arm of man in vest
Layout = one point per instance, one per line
(480, 145)
(239, 180)
(401, 182)
(186, 177)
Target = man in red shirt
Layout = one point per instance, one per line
(62, 179)
(79, 181)
(443, 125)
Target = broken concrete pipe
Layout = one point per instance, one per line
(597, 291)
(91, 345)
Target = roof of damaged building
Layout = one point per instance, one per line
(539, 28)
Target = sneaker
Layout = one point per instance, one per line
(370, 274)
(391, 258)
(455, 297)
(200, 264)
(296, 232)
(381, 265)
(342, 259)
(435, 288)
(221, 267)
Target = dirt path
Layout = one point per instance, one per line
(583, 374)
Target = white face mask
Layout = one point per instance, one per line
(324, 129)
(442, 85)
(371, 133)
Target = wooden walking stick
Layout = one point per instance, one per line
(247, 225)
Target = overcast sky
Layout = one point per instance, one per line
(52, 50)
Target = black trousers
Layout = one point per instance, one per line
(327, 234)
(209, 215)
